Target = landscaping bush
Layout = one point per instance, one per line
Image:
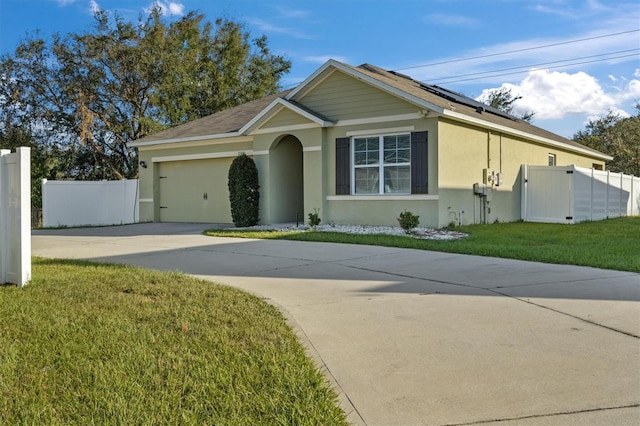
(408, 221)
(244, 192)
(314, 218)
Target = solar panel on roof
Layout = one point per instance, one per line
(465, 100)
(447, 94)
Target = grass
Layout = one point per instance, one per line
(608, 244)
(89, 343)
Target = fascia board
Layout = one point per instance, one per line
(267, 111)
(276, 106)
(185, 139)
(465, 118)
(306, 114)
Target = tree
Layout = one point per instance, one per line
(46, 162)
(244, 194)
(90, 94)
(616, 136)
(503, 100)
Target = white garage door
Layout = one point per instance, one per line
(195, 191)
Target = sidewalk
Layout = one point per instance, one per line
(415, 337)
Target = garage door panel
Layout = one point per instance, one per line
(194, 191)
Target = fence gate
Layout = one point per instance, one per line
(15, 216)
(570, 194)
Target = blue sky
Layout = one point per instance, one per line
(570, 60)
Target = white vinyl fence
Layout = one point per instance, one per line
(87, 203)
(15, 215)
(570, 194)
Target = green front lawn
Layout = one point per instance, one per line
(607, 244)
(88, 343)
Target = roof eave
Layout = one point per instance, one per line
(276, 106)
(185, 139)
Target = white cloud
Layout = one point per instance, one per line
(573, 10)
(94, 7)
(451, 20)
(292, 14)
(65, 2)
(633, 90)
(268, 27)
(636, 72)
(167, 8)
(612, 78)
(176, 9)
(554, 95)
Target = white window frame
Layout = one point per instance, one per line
(551, 159)
(381, 165)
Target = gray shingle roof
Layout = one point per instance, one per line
(232, 120)
(462, 104)
(223, 122)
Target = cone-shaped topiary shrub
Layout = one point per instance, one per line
(244, 192)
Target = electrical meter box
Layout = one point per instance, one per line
(479, 189)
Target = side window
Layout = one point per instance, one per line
(552, 159)
(382, 164)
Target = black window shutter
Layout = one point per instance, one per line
(343, 167)
(419, 163)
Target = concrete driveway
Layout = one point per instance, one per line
(415, 337)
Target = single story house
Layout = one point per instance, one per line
(360, 144)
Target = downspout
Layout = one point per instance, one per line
(488, 150)
(500, 153)
(485, 196)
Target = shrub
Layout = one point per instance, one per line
(244, 194)
(314, 218)
(408, 221)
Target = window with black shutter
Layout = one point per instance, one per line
(382, 165)
(419, 165)
(343, 166)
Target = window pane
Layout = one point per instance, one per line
(404, 156)
(373, 144)
(390, 157)
(397, 149)
(367, 180)
(404, 142)
(366, 151)
(390, 142)
(397, 179)
(360, 144)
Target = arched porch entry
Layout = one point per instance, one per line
(286, 180)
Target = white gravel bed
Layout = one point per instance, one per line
(423, 233)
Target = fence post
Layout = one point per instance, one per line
(4, 205)
(524, 193)
(15, 216)
(620, 192)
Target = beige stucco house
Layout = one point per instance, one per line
(360, 144)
